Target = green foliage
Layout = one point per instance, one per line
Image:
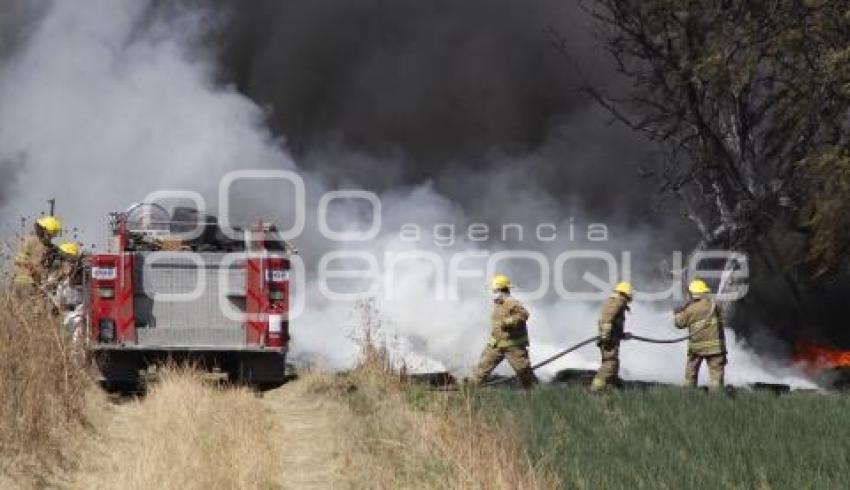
(675, 438)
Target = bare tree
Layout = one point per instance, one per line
(749, 101)
(750, 104)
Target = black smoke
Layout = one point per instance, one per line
(385, 93)
(436, 79)
(380, 93)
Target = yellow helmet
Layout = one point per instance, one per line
(70, 248)
(624, 287)
(698, 287)
(50, 224)
(500, 281)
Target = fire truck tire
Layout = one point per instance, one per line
(259, 370)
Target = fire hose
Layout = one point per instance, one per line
(626, 336)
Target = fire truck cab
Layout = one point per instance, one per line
(209, 299)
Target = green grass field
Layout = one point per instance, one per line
(680, 439)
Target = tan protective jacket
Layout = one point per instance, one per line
(508, 323)
(29, 261)
(705, 327)
(61, 271)
(613, 317)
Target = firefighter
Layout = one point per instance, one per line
(67, 263)
(64, 288)
(705, 327)
(62, 269)
(611, 324)
(508, 336)
(34, 254)
(69, 250)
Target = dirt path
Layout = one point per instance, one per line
(174, 438)
(309, 438)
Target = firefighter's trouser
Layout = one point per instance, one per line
(517, 357)
(609, 367)
(716, 367)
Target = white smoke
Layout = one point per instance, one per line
(106, 103)
(103, 109)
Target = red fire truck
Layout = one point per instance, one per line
(209, 299)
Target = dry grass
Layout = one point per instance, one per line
(187, 434)
(397, 436)
(310, 432)
(366, 429)
(42, 388)
(402, 437)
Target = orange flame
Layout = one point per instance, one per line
(817, 357)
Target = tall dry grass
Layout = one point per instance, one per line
(435, 443)
(43, 385)
(402, 436)
(186, 433)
